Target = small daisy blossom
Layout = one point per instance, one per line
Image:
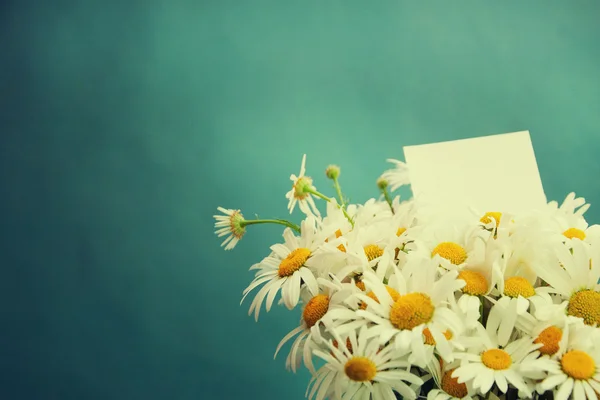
(362, 370)
(397, 176)
(332, 295)
(480, 278)
(229, 224)
(516, 296)
(451, 243)
(576, 373)
(290, 264)
(568, 221)
(417, 301)
(487, 364)
(523, 248)
(335, 223)
(448, 387)
(300, 192)
(371, 212)
(552, 334)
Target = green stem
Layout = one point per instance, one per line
(289, 224)
(328, 199)
(338, 189)
(386, 194)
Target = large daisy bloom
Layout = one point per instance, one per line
(332, 295)
(412, 303)
(397, 176)
(361, 370)
(488, 364)
(230, 223)
(296, 262)
(576, 373)
(300, 192)
(574, 276)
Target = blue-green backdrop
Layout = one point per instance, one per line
(125, 124)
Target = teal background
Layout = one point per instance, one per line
(125, 124)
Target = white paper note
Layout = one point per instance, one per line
(490, 173)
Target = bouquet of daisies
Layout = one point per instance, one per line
(401, 299)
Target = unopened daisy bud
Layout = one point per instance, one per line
(332, 172)
(232, 224)
(382, 183)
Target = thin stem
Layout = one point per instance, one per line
(289, 224)
(338, 189)
(328, 199)
(318, 194)
(388, 198)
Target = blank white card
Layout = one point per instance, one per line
(490, 173)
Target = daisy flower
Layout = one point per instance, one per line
(421, 304)
(516, 295)
(335, 223)
(365, 244)
(568, 220)
(451, 241)
(488, 364)
(229, 224)
(574, 276)
(575, 374)
(552, 334)
(448, 387)
(481, 277)
(290, 265)
(524, 247)
(366, 371)
(372, 211)
(301, 192)
(331, 296)
(397, 176)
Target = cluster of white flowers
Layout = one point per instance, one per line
(402, 299)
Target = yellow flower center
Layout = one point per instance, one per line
(293, 262)
(550, 338)
(496, 359)
(574, 233)
(411, 310)
(315, 309)
(393, 294)
(372, 251)
(516, 286)
(452, 252)
(428, 337)
(400, 231)
(488, 216)
(476, 285)
(360, 285)
(585, 304)
(451, 386)
(360, 369)
(578, 365)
